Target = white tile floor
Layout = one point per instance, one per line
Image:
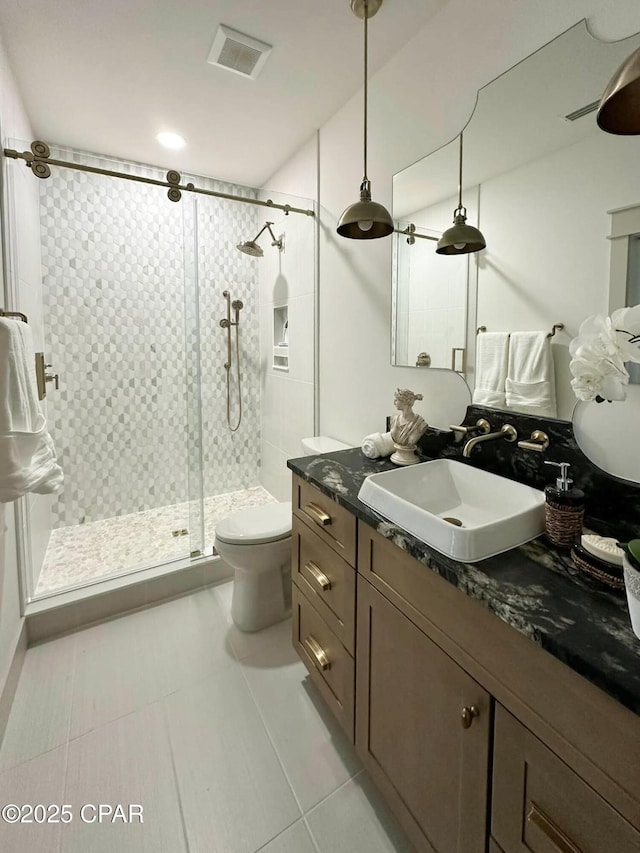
(219, 735)
(102, 549)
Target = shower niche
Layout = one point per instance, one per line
(281, 337)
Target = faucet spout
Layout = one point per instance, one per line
(507, 432)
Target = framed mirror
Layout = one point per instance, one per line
(541, 182)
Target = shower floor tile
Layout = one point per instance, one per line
(102, 549)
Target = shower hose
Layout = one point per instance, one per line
(228, 366)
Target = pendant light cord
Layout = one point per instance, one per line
(366, 22)
(460, 177)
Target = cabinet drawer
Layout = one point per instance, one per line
(330, 665)
(327, 580)
(333, 523)
(541, 806)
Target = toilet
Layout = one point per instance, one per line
(256, 543)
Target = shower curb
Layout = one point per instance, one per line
(68, 616)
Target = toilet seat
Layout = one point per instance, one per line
(258, 524)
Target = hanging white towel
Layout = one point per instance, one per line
(27, 455)
(530, 385)
(377, 444)
(492, 349)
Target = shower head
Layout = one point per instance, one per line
(251, 247)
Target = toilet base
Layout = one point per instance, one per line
(261, 598)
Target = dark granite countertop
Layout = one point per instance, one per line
(534, 588)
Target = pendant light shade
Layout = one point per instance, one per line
(366, 219)
(460, 239)
(619, 110)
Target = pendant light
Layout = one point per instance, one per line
(461, 238)
(366, 219)
(619, 110)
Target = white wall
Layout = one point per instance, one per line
(14, 124)
(287, 280)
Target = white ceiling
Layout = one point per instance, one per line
(107, 75)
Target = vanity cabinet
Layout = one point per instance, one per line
(476, 737)
(422, 731)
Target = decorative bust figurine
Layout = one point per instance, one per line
(406, 427)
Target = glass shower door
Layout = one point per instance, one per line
(118, 309)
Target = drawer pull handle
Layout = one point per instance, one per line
(553, 832)
(318, 515)
(468, 715)
(318, 654)
(319, 576)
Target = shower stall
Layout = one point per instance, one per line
(157, 431)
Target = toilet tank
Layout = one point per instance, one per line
(321, 444)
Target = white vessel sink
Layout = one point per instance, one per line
(463, 512)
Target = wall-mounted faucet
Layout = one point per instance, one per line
(507, 432)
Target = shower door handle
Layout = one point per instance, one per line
(52, 377)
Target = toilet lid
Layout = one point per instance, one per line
(265, 523)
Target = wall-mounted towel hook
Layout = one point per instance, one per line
(481, 329)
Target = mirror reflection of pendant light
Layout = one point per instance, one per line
(461, 238)
(619, 110)
(366, 219)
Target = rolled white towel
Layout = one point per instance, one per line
(377, 444)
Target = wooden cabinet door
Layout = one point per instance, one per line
(431, 765)
(541, 806)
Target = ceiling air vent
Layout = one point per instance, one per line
(583, 111)
(238, 53)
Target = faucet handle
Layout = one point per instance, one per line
(481, 425)
(539, 441)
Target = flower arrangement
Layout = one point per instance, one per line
(599, 352)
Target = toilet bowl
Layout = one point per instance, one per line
(256, 543)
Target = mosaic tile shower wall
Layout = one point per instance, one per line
(120, 330)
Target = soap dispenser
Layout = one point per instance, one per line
(563, 509)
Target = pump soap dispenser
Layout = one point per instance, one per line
(563, 509)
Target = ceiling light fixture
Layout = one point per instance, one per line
(461, 239)
(619, 110)
(171, 140)
(365, 220)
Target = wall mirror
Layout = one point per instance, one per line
(541, 182)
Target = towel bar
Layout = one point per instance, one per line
(557, 327)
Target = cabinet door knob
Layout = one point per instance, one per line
(318, 575)
(315, 650)
(468, 715)
(556, 836)
(318, 514)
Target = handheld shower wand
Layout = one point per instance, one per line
(227, 323)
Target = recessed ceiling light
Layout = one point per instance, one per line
(171, 140)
